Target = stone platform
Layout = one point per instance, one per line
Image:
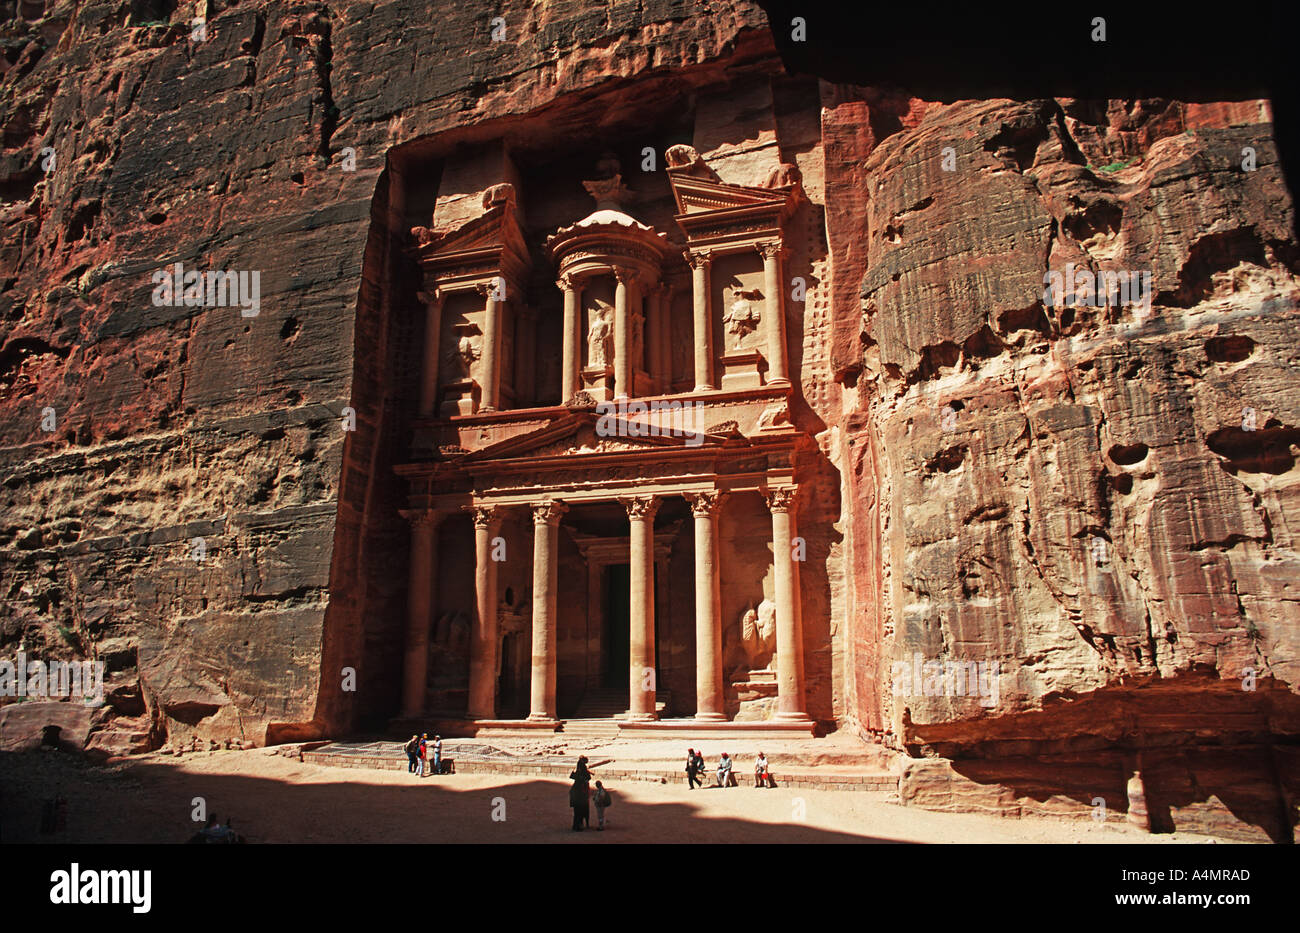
(481, 758)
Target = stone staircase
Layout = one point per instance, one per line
(596, 718)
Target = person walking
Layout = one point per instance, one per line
(437, 754)
(412, 750)
(602, 800)
(692, 769)
(424, 754)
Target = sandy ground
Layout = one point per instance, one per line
(278, 799)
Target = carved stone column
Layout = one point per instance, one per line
(622, 335)
(546, 570)
(789, 638)
(665, 311)
(773, 313)
(484, 641)
(641, 682)
(709, 698)
(433, 302)
(491, 347)
(421, 606)
(653, 324)
(571, 352)
(700, 263)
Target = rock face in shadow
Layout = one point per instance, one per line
(1093, 502)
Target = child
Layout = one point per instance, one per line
(602, 800)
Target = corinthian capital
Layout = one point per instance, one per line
(705, 503)
(548, 511)
(700, 258)
(485, 516)
(771, 249)
(780, 498)
(640, 507)
(422, 517)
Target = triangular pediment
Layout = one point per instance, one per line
(587, 434)
(696, 195)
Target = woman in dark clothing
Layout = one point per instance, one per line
(579, 795)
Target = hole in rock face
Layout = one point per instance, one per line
(1128, 454)
(156, 217)
(1123, 483)
(290, 328)
(297, 178)
(1264, 451)
(945, 461)
(1229, 349)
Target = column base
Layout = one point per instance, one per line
(543, 718)
(640, 717)
(710, 717)
(704, 388)
(792, 717)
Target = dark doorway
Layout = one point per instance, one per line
(617, 622)
(512, 693)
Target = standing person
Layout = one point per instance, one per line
(437, 754)
(602, 800)
(424, 754)
(699, 765)
(761, 776)
(579, 793)
(578, 801)
(692, 769)
(412, 750)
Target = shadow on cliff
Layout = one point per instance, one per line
(152, 803)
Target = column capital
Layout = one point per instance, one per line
(570, 281)
(548, 511)
(700, 258)
(490, 288)
(780, 498)
(626, 276)
(422, 517)
(770, 249)
(705, 503)
(485, 516)
(432, 297)
(640, 507)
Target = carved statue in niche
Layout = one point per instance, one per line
(758, 634)
(599, 335)
(467, 351)
(452, 631)
(638, 330)
(742, 315)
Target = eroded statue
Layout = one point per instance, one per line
(758, 634)
(598, 336)
(742, 315)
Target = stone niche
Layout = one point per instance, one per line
(739, 304)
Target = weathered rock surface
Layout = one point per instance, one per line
(1102, 502)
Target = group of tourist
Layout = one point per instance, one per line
(725, 771)
(581, 797)
(417, 754)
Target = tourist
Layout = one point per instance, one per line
(699, 764)
(412, 754)
(437, 754)
(602, 800)
(692, 768)
(578, 801)
(424, 754)
(579, 794)
(762, 776)
(725, 777)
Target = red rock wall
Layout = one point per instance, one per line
(971, 538)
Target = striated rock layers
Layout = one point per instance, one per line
(1094, 505)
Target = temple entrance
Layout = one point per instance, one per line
(616, 633)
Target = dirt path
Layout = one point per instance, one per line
(276, 799)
